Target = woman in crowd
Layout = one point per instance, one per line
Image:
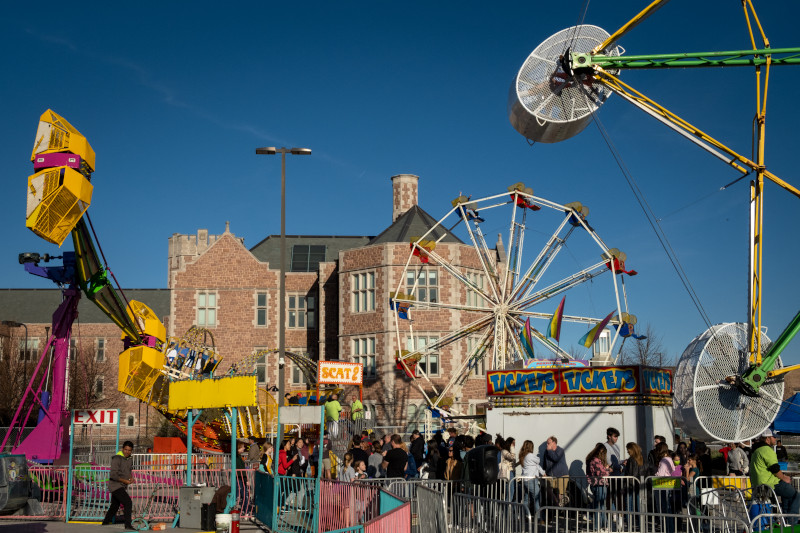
(360, 468)
(531, 471)
(286, 458)
(507, 463)
(346, 471)
(635, 466)
(665, 468)
(597, 469)
(374, 469)
(453, 465)
(431, 466)
(266, 459)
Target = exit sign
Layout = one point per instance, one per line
(95, 416)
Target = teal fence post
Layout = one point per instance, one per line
(69, 471)
(231, 502)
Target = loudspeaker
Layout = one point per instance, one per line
(481, 464)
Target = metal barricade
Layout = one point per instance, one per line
(552, 518)
(394, 521)
(296, 500)
(474, 513)
(774, 523)
(407, 489)
(432, 510)
(344, 505)
(49, 485)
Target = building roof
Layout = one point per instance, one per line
(414, 223)
(269, 249)
(36, 306)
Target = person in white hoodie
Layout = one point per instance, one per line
(531, 472)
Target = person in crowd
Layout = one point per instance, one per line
(395, 460)
(431, 466)
(327, 448)
(704, 458)
(451, 440)
(508, 462)
(738, 465)
(286, 458)
(374, 469)
(332, 410)
(302, 452)
(356, 410)
(652, 456)
(265, 464)
(554, 463)
(417, 447)
(764, 470)
(356, 451)
(725, 450)
(241, 476)
(411, 464)
(531, 471)
(313, 458)
(346, 471)
(365, 436)
(692, 468)
(683, 451)
(613, 452)
(387, 443)
(665, 468)
(634, 466)
(361, 470)
(453, 465)
(597, 470)
(253, 452)
(119, 477)
(469, 443)
(780, 452)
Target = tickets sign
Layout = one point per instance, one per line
(590, 380)
(95, 416)
(339, 373)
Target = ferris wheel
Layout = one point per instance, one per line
(464, 304)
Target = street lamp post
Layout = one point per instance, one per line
(271, 150)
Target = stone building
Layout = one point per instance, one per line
(337, 308)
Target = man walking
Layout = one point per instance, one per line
(118, 480)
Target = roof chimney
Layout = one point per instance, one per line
(404, 194)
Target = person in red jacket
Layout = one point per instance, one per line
(284, 459)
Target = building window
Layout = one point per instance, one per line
(131, 421)
(261, 366)
(73, 349)
(430, 360)
(363, 292)
(98, 387)
(477, 368)
(364, 353)
(302, 312)
(306, 258)
(206, 309)
(261, 309)
(474, 299)
(298, 378)
(29, 352)
(100, 350)
(423, 285)
(415, 418)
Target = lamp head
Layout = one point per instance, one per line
(267, 150)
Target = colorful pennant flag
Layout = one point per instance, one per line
(526, 338)
(594, 333)
(554, 331)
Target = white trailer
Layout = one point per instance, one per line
(577, 405)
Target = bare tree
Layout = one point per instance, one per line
(12, 376)
(647, 352)
(91, 382)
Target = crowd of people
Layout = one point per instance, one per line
(545, 478)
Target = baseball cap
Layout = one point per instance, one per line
(768, 433)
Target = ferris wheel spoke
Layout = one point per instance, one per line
(566, 318)
(561, 286)
(458, 275)
(426, 306)
(543, 261)
(484, 254)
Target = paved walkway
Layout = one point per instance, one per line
(9, 526)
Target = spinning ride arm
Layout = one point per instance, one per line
(593, 66)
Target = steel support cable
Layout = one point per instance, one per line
(105, 262)
(653, 221)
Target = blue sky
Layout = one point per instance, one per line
(175, 96)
